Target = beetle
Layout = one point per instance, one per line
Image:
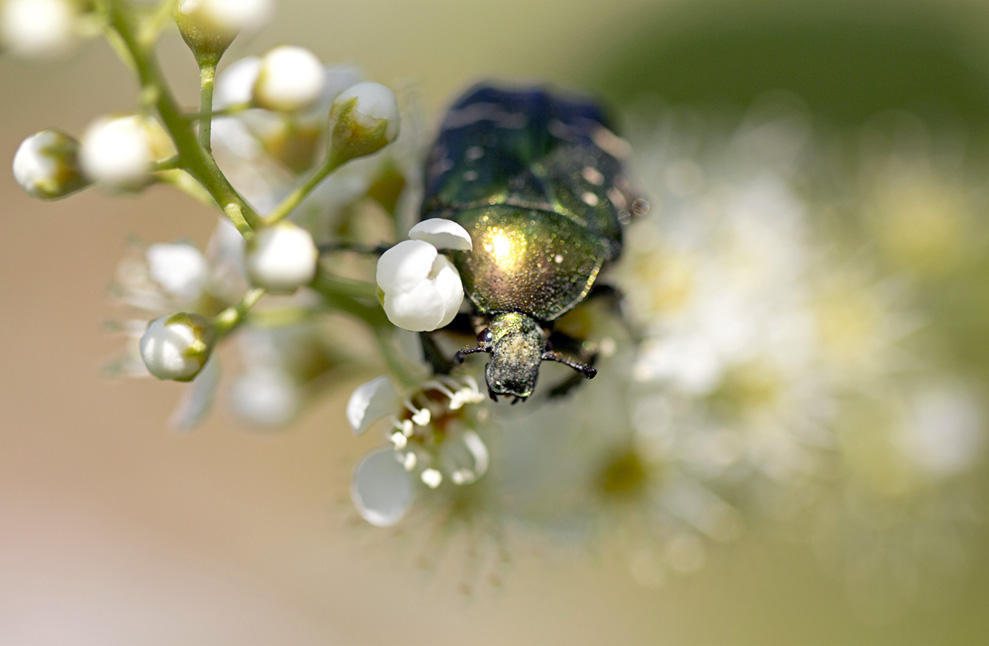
(536, 178)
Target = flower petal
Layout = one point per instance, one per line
(442, 234)
(382, 489)
(370, 402)
(405, 265)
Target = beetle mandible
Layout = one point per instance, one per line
(536, 179)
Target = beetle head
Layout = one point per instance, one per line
(517, 345)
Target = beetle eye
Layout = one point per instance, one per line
(484, 337)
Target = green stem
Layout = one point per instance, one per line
(229, 111)
(199, 163)
(397, 364)
(234, 315)
(330, 164)
(343, 295)
(207, 73)
(185, 183)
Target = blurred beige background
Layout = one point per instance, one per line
(115, 530)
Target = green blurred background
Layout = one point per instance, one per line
(118, 531)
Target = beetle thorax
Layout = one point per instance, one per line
(517, 346)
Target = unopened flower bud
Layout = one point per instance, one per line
(177, 346)
(290, 79)
(46, 165)
(281, 258)
(363, 120)
(37, 28)
(209, 26)
(422, 289)
(118, 152)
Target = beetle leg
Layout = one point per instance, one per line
(439, 360)
(586, 353)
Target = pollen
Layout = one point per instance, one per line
(590, 199)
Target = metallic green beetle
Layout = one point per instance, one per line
(536, 180)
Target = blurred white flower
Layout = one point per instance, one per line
(177, 346)
(180, 268)
(37, 28)
(288, 79)
(266, 397)
(118, 152)
(46, 165)
(363, 119)
(281, 258)
(422, 289)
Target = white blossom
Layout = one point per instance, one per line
(177, 346)
(281, 258)
(266, 397)
(37, 28)
(46, 165)
(180, 268)
(288, 79)
(422, 289)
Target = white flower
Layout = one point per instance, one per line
(177, 346)
(180, 268)
(944, 430)
(281, 258)
(119, 151)
(46, 165)
(363, 119)
(422, 289)
(370, 402)
(266, 397)
(37, 28)
(382, 490)
(289, 79)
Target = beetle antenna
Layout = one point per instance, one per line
(459, 357)
(582, 368)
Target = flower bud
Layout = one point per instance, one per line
(209, 26)
(281, 258)
(363, 120)
(46, 165)
(290, 79)
(421, 287)
(177, 346)
(118, 152)
(37, 28)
